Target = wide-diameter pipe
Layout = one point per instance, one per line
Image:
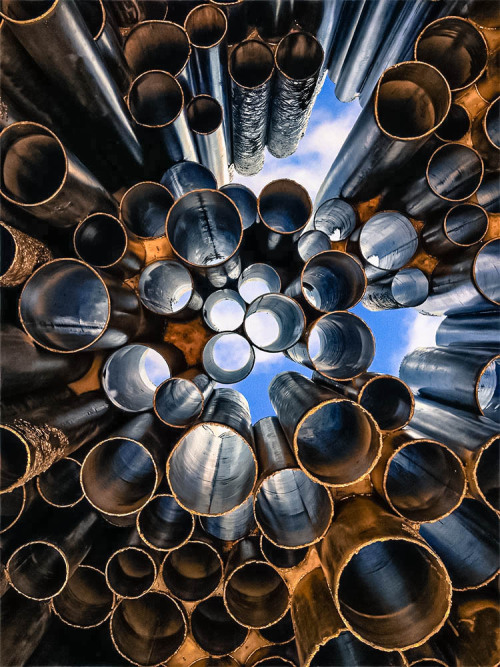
(214, 630)
(462, 226)
(187, 176)
(205, 119)
(408, 288)
(69, 195)
(86, 601)
(456, 47)
(312, 417)
(320, 634)
(245, 200)
(281, 632)
(15, 502)
(298, 59)
(251, 67)
(179, 401)
(60, 484)
(150, 630)
(383, 138)
(468, 381)
(467, 542)
(21, 254)
(234, 525)
(365, 548)
(131, 571)
(258, 279)
(255, 593)
(212, 468)
(144, 207)
(166, 287)
(157, 45)
(330, 280)
(336, 218)
(274, 322)
(224, 310)
(338, 345)
(67, 306)
(193, 571)
(228, 358)
(474, 330)
(290, 508)
(205, 231)
(163, 524)
(280, 557)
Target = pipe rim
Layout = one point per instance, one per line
(208, 545)
(494, 358)
(178, 90)
(170, 24)
(262, 542)
(92, 217)
(22, 490)
(474, 270)
(301, 192)
(473, 468)
(75, 625)
(228, 376)
(178, 266)
(269, 53)
(29, 459)
(14, 238)
(52, 546)
(50, 502)
(135, 187)
(192, 419)
(37, 19)
(154, 546)
(142, 551)
(201, 8)
(471, 243)
(282, 297)
(312, 43)
(212, 101)
(445, 148)
(484, 122)
(268, 269)
(386, 376)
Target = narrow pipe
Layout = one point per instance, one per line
(184, 177)
(205, 119)
(468, 381)
(384, 138)
(474, 330)
(180, 400)
(233, 525)
(467, 542)
(205, 231)
(60, 484)
(359, 562)
(166, 287)
(486, 135)
(281, 632)
(456, 125)
(157, 45)
(67, 306)
(338, 345)
(284, 559)
(251, 68)
(228, 358)
(473, 615)
(462, 226)
(298, 59)
(245, 200)
(150, 630)
(163, 524)
(255, 593)
(224, 310)
(408, 288)
(387, 398)
(23, 623)
(349, 15)
(274, 322)
(290, 509)
(71, 193)
(273, 20)
(213, 628)
(143, 209)
(86, 601)
(256, 280)
(212, 468)
(193, 571)
(311, 243)
(21, 254)
(131, 571)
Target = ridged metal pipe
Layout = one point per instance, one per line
(383, 137)
(205, 119)
(468, 381)
(60, 484)
(488, 193)
(184, 177)
(86, 601)
(467, 542)
(150, 630)
(143, 209)
(274, 322)
(466, 284)
(163, 524)
(312, 417)
(21, 254)
(290, 509)
(23, 623)
(228, 358)
(311, 243)
(336, 218)
(234, 525)
(367, 547)
(474, 330)
(120, 474)
(69, 195)
(473, 615)
(193, 571)
(251, 68)
(205, 231)
(224, 310)
(180, 400)
(273, 20)
(258, 279)
(284, 559)
(273, 656)
(320, 634)
(131, 570)
(408, 288)
(245, 200)
(213, 628)
(167, 288)
(281, 632)
(255, 593)
(67, 306)
(338, 345)
(298, 60)
(157, 45)
(456, 125)
(456, 47)
(462, 226)
(212, 468)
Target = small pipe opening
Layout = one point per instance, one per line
(60, 484)
(281, 557)
(228, 358)
(487, 474)
(488, 384)
(130, 572)
(274, 322)
(389, 401)
(178, 402)
(299, 55)
(456, 124)
(245, 201)
(388, 240)
(333, 281)
(224, 310)
(86, 600)
(336, 218)
(206, 26)
(155, 99)
(213, 628)
(454, 172)
(257, 280)
(144, 209)
(7, 250)
(204, 114)
(311, 243)
(100, 240)
(466, 224)
(231, 526)
(38, 570)
(410, 287)
(486, 270)
(251, 63)
(14, 458)
(284, 206)
(94, 16)
(163, 524)
(166, 287)
(193, 571)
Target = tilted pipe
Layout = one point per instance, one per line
(349, 15)
(233, 525)
(224, 310)
(157, 45)
(488, 193)
(132, 568)
(163, 524)
(60, 484)
(284, 559)
(336, 218)
(23, 623)
(213, 628)
(309, 244)
(205, 119)
(408, 288)
(280, 632)
(473, 330)
(167, 288)
(273, 20)
(86, 601)
(274, 322)
(184, 177)
(245, 200)
(258, 279)
(180, 400)
(228, 357)
(486, 135)
(21, 254)
(144, 207)
(461, 226)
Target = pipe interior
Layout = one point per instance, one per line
(346, 650)
(492, 123)
(488, 194)
(119, 476)
(299, 55)
(60, 484)
(231, 526)
(164, 523)
(388, 240)
(311, 243)
(214, 629)
(212, 470)
(454, 172)
(456, 124)
(333, 281)
(488, 474)
(466, 224)
(228, 358)
(13, 458)
(165, 287)
(193, 571)
(456, 48)
(26, 10)
(94, 16)
(149, 630)
(131, 375)
(393, 593)
(12, 506)
(281, 632)
(337, 443)
(410, 287)
(274, 322)
(245, 201)
(291, 509)
(144, 209)
(389, 401)
(159, 45)
(184, 177)
(251, 63)
(488, 394)
(256, 280)
(206, 26)
(284, 206)
(178, 402)
(64, 306)
(204, 227)
(100, 240)
(38, 570)
(256, 594)
(336, 218)
(204, 114)
(7, 250)
(155, 99)
(283, 558)
(86, 599)
(131, 572)
(486, 270)
(224, 310)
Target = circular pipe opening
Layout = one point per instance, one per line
(389, 400)
(487, 389)
(206, 26)
(193, 571)
(166, 287)
(178, 402)
(281, 632)
(204, 114)
(224, 310)
(284, 206)
(86, 601)
(487, 474)
(491, 123)
(257, 280)
(333, 280)
(231, 526)
(456, 124)
(38, 570)
(130, 572)
(299, 56)
(100, 240)
(60, 484)
(410, 287)
(144, 208)
(228, 358)
(245, 201)
(388, 240)
(7, 249)
(274, 322)
(163, 524)
(465, 224)
(251, 64)
(346, 649)
(454, 172)
(157, 45)
(155, 99)
(311, 243)
(22, 11)
(15, 458)
(213, 628)
(336, 218)
(486, 271)
(285, 559)
(12, 506)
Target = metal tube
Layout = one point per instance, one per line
(157, 45)
(474, 330)
(184, 177)
(224, 310)
(365, 548)
(468, 381)
(225, 661)
(180, 400)
(473, 616)
(150, 630)
(408, 288)
(23, 623)
(193, 571)
(284, 559)
(228, 358)
(312, 417)
(131, 570)
(245, 200)
(258, 279)
(143, 209)
(486, 136)
(205, 119)
(321, 18)
(298, 59)
(488, 194)
(167, 288)
(163, 524)
(273, 20)
(213, 628)
(71, 193)
(311, 243)
(290, 509)
(15, 503)
(274, 322)
(86, 601)
(467, 542)
(251, 68)
(21, 254)
(255, 593)
(384, 138)
(232, 526)
(273, 655)
(60, 484)
(438, 650)
(456, 125)
(281, 632)
(462, 226)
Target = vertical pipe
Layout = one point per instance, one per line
(349, 15)
(245, 200)
(143, 209)
(224, 310)
(258, 279)
(205, 119)
(273, 20)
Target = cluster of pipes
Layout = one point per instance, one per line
(144, 518)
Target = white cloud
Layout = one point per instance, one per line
(420, 332)
(265, 361)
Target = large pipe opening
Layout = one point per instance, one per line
(228, 358)
(130, 572)
(245, 200)
(193, 571)
(251, 64)
(487, 474)
(166, 287)
(388, 240)
(257, 280)
(15, 458)
(284, 206)
(155, 99)
(336, 218)
(274, 322)
(144, 208)
(86, 601)
(333, 280)
(39, 570)
(224, 310)
(231, 526)
(455, 172)
(465, 224)
(178, 402)
(389, 401)
(163, 524)
(299, 56)
(280, 557)
(100, 240)
(60, 484)
(213, 628)
(157, 45)
(206, 26)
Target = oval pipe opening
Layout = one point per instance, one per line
(193, 571)
(163, 524)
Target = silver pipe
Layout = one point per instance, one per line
(336, 218)
(193, 571)
(163, 524)
(157, 45)
(474, 330)
(273, 20)
(321, 19)
(224, 310)
(205, 119)
(284, 559)
(462, 226)
(408, 288)
(213, 628)
(245, 200)
(258, 279)
(274, 322)
(187, 176)
(166, 287)
(486, 135)
(234, 525)
(350, 13)
(143, 209)
(228, 358)
(180, 400)
(309, 244)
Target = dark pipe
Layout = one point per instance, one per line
(193, 571)
(408, 288)
(284, 559)
(205, 119)
(21, 254)
(488, 194)
(184, 177)
(462, 226)
(131, 571)
(23, 623)
(60, 484)
(274, 322)
(273, 20)
(86, 600)
(272, 656)
(167, 288)
(163, 524)
(157, 45)
(239, 19)
(281, 632)
(180, 400)
(143, 209)
(232, 526)
(456, 125)
(474, 330)
(349, 15)
(213, 628)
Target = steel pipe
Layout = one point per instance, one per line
(157, 45)
(163, 524)
(212, 468)
(233, 525)
(180, 400)
(290, 509)
(150, 630)
(255, 593)
(281, 632)
(462, 226)
(365, 548)
(258, 279)
(224, 310)
(86, 601)
(205, 119)
(21, 254)
(131, 570)
(321, 19)
(311, 243)
(474, 330)
(438, 650)
(60, 484)
(456, 125)
(467, 542)
(143, 209)
(245, 200)
(213, 628)
(274, 322)
(14, 504)
(251, 68)
(272, 656)
(239, 19)
(473, 616)
(23, 623)
(312, 417)
(184, 177)
(298, 59)
(193, 571)
(336, 218)
(349, 15)
(228, 358)
(273, 20)
(284, 559)
(488, 194)
(167, 288)
(486, 135)
(408, 288)
(224, 661)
